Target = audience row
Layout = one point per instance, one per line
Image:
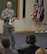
(29, 48)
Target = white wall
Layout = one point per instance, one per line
(26, 24)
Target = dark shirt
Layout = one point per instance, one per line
(29, 50)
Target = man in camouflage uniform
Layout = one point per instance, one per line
(8, 16)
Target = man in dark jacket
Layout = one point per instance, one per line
(31, 46)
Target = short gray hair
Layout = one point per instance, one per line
(9, 2)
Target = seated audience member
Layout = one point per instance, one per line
(31, 46)
(1, 49)
(23, 45)
(6, 44)
(41, 51)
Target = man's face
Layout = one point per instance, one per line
(9, 5)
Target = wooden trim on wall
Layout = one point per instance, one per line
(24, 31)
(18, 12)
(21, 31)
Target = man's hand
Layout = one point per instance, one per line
(8, 16)
(13, 19)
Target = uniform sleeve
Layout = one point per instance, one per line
(3, 15)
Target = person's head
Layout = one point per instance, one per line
(1, 49)
(6, 42)
(31, 39)
(27, 39)
(9, 5)
(41, 51)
